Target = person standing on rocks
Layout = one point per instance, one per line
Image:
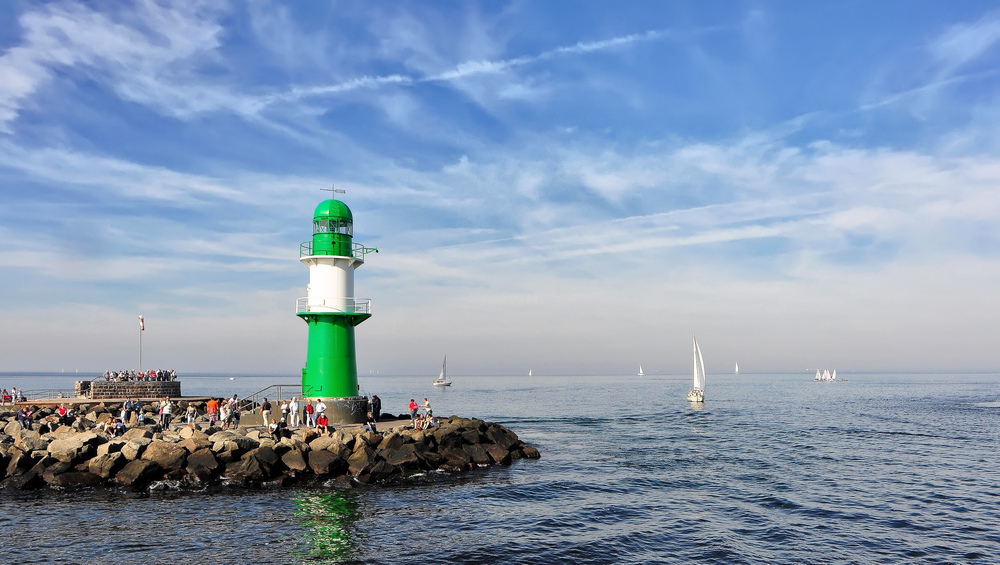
(166, 412)
(284, 411)
(213, 411)
(426, 406)
(376, 407)
(310, 415)
(320, 409)
(265, 411)
(293, 410)
(192, 413)
(413, 411)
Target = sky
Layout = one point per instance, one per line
(563, 187)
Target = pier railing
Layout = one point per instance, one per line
(274, 393)
(35, 394)
(348, 306)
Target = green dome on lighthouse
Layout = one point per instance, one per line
(333, 209)
(333, 229)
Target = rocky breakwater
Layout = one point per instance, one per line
(66, 457)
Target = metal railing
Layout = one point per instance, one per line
(274, 393)
(358, 251)
(46, 393)
(350, 306)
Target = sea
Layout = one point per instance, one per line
(772, 468)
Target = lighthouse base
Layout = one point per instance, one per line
(347, 410)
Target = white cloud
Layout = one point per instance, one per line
(146, 53)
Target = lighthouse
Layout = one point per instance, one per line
(331, 311)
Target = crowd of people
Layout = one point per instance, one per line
(421, 415)
(14, 395)
(279, 418)
(134, 376)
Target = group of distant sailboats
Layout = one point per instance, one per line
(826, 375)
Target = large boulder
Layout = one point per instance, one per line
(72, 479)
(136, 433)
(247, 471)
(168, 456)
(322, 442)
(403, 456)
(12, 428)
(189, 433)
(113, 446)
(267, 458)
(139, 473)
(30, 440)
(498, 454)
(456, 456)
(477, 454)
(295, 459)
(322, 462)
(343, 438)
(362, 460)
(20, 463)
(501, 436)
(107, 465)
(379, 471)
(29, 480)
(193, 444)
(390, 441)
(134, 447)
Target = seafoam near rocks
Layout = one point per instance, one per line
(64, 457)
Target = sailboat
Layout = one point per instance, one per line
(442, 379)
(529, 372)
(641, 374)
(818, 376)
(737, 369)
(697, 393)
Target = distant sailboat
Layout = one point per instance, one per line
(737, 369)
(529, 372)
(641, 374)
(442, 379)
(818, 377)
(697, 393)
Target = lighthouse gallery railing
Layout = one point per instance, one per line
(349, 306)
(358, 251)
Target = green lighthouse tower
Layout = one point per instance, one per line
(331, 311)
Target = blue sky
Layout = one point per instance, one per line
(567, 187)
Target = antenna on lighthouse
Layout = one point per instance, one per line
(334, 191)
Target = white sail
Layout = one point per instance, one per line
(826, 374)
(737, 369)
(819, 377)
(833, 377)
(529, 372)
(699, 367)
(640, 371)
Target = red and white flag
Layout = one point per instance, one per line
(142, 326)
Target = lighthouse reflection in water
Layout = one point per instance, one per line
(326, 519)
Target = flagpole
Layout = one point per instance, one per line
(141, 327)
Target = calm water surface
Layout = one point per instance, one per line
(772, 469)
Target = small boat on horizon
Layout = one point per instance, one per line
(641, 374)
(697, 393)
(737, 369)
(442, 379)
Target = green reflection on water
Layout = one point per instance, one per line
(327, 519)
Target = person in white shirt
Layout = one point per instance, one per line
(293, 412)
